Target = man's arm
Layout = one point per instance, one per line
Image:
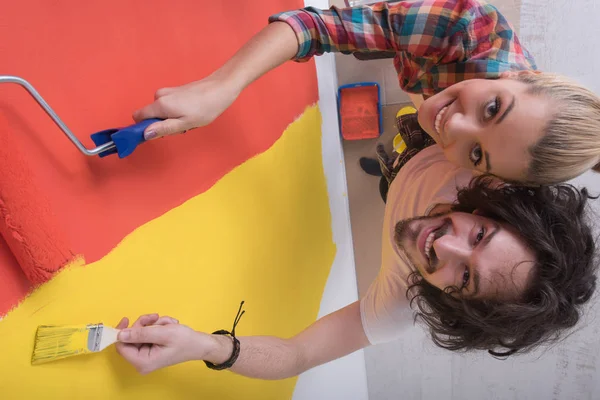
(264, 357)
(268, 357)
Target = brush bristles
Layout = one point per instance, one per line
(56, 342)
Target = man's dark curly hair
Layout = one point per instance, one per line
(552, 221)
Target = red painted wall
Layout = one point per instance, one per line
(95, 62)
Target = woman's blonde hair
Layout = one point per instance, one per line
(571, 142)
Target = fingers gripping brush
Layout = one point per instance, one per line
(57, 342)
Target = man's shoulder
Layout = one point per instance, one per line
(427, 164)
(428, 179)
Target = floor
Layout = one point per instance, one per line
(413, 368)
(366, 205)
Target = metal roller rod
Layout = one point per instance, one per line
(34, 93)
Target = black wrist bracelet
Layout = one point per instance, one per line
(236, 344)
(234, 354)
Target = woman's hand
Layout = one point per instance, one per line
(189, 106)
(200, 103)
(155, 342)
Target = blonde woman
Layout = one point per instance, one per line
(487, 106)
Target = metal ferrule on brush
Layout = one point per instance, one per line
(94, 337)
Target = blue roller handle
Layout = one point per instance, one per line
(125, 139)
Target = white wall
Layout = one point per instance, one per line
(562, 37)
(345, 378)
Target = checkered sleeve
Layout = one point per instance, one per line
(437, 42)
(486, 47)
(435, 29)
(347, 30)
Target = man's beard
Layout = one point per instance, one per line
(407, 233)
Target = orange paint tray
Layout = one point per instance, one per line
(359, 111)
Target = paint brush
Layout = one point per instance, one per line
(56, 342)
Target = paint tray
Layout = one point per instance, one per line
(359, 111)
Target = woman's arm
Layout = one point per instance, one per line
(424, 33)
(199, 103)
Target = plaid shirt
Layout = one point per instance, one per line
(415, 138)
(437, 42)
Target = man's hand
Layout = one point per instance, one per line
(155, 342)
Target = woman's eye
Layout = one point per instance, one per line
(480, 235)
(491, 109)
(475, 155)
(466, 276)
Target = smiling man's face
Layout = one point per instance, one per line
(479, 256)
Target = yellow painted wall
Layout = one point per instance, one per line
(262, 234)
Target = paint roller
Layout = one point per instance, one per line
(27, 224)
(120, 141)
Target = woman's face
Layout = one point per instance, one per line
(487, 125)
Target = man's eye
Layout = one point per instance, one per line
(475, 156)
(480, 235)
(492, 109)
(466, 276)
